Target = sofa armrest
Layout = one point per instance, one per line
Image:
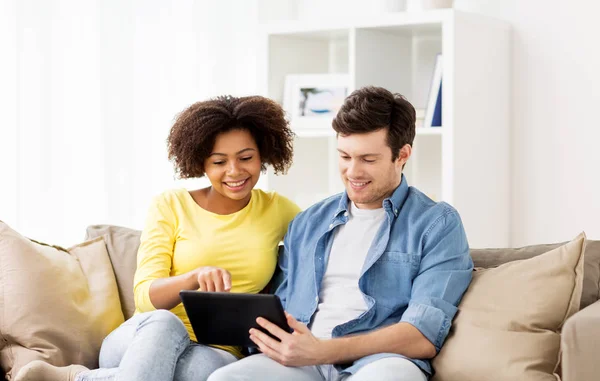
(580, 345)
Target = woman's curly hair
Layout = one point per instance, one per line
(193, 134)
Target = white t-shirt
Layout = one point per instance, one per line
(340, 299)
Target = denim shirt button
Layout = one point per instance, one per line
(330, 226)
(346, 214)
(317, 299)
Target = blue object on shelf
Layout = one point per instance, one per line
(433, 112)
(436, 121)
(320, 111)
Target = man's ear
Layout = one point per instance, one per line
(404, 155)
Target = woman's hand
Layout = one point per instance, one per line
(213, 279)
(164, 292)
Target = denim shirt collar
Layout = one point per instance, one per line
(392, 204)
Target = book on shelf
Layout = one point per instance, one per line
(433, 112)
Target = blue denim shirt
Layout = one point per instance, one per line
(416, 270)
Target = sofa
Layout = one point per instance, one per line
(571, 269)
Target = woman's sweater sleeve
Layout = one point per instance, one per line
(155, 254)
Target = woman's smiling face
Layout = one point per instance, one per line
(234, 165)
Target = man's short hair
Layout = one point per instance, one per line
(373, 108)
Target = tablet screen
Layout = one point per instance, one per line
(225, 318)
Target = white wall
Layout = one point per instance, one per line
(89, 91)
(8, 112)
(555, 159)
(555, 125)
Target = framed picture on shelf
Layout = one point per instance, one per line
(313, 100)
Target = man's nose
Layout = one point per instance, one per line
(353, 169)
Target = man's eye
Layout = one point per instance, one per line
(345, 157)
(369, 160)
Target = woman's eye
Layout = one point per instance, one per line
(218, 162)
(246, 158)
(345, 157)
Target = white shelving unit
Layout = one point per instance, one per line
(466, 161)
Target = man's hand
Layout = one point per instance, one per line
(299, 348)
(213, 279)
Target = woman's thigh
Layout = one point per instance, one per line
(140, 333)
(198, 361)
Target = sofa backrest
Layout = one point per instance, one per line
(487, 258)
(122, 245)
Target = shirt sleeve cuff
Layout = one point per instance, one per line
(430, 321)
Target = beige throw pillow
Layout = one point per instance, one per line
(509, 320)
(57, 305)
(487, 258)
(122, 245)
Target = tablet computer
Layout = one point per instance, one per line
(225, 318)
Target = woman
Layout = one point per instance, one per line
(220, 238)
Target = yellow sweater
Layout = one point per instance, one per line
(180, 236)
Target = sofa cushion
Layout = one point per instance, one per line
(509, 320)
(122, 246)
(57, 304)
(488, 258)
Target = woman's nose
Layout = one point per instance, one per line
(233, 168)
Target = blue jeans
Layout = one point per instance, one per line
(155, 346)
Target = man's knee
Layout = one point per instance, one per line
(226, 373)
(255, 367)
(389, 369)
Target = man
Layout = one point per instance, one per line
(372, 276)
